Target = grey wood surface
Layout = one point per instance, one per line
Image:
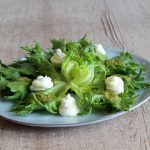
(114, 23)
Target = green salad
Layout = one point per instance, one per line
(71, 78)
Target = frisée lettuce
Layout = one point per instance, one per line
(81, 72)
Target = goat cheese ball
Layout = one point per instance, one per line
(100, 49)
(58, 57)
(41, 83)
(68, 106)
(115, 84)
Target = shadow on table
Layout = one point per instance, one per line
(10, 126)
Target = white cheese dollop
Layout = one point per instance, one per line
(68, 106)
(100, 49)
(115, 84)
(41, 83)
(58, 57)
(23, 59)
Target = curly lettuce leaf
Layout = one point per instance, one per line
(42, 100)
(18, 88)
(80, 74)
(36, 53)
(23, 109)
(90, 102)
(25, 68)
(59, 44)
(3, 83)
(124, 64)
(9, 72)
(17, 70)
(37, 101)
(80, 47)
(47, 68)
(40, 59)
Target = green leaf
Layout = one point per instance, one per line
(46, 68)
(36, 52)
(40, 59)
(3, 83)
(59, 44)
(38, 101)
(90, 102)
(53, 106)
(87, 46)
(60, 88)
(9, 72)
(19, 88)
(82, 75)
(125, 65)
(67, 68)
(127, 100)
(47, 100)
(112, 101)
(78, 71)
(24, 68)
(23, 109)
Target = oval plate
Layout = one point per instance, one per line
(46, 120)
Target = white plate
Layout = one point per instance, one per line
(47, 120)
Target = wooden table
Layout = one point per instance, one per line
(114, 23)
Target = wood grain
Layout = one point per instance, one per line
(119, 24)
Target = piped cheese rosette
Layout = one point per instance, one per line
(115, 84)
(58, 57)
(100, 49)
(68, 106)
(41, 83)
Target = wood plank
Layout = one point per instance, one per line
(118, 24)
